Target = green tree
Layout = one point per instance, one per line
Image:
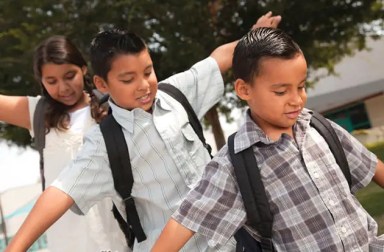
(179, 33)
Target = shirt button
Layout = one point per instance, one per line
(316, 175)
(343, 229)
(331, 202)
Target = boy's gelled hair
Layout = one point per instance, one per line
(109, 44)
(57, 50)
(258, 44)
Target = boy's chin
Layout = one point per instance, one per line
(148, 107)
(149, 110)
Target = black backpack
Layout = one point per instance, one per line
(119, 160)
(39, 132)
(253, 193)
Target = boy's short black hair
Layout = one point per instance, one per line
(108, 44)
(257, 44)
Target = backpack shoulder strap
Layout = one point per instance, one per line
(120, 163)
(192, 117)
(39, 132)
(323, 126)
(253, 192)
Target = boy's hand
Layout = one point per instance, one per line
(267, 20)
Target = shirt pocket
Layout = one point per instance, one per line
(197, 154)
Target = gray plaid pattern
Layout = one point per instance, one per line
(309, 197)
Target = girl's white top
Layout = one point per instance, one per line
(96, 231)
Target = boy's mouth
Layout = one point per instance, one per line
(293, 114)
(145, 98)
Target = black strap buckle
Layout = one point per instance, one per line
(266, 244)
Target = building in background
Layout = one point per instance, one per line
(354, 98)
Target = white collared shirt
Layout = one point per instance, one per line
(166, 155)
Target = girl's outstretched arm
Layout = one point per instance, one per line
(173, 237)
(15, 110)
(50, 206)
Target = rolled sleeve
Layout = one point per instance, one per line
(214, 208)
(88, 178)
(202, 85)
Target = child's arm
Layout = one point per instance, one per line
(14, 110)
(173, 237)
(378, 178)
(223, 54)
(50, 206)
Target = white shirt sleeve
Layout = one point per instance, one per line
(88, 178)
(202, 85)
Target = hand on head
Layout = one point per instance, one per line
(267, 20)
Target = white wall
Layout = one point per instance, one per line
(375, 110)
(363, 67)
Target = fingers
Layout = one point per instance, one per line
(275, 21)
(268, 14)
(267, 20)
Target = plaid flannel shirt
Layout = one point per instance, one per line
(309, 197)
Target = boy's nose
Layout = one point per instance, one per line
(144, 84)
(296, 100)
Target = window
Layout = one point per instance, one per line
(352, 117)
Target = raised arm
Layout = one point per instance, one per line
(14, 110)
(173, 237)
(378, 178)
(50, 206)
(224, 53)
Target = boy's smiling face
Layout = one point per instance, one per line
(131, 82)
(277, 94)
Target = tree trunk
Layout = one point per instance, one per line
(212, 117)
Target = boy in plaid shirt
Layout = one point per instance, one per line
(312, 206)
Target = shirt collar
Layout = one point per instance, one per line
(251, 134)
(162, 103)
(126, 118)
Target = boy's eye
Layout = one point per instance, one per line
(279, 93)
(147, 74)
(126, 81)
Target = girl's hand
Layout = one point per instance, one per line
(267, 20)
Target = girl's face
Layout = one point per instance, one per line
(64, 83)
(131, 82)
(277, 94)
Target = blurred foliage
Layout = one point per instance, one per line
(179, 32)
(378, 149)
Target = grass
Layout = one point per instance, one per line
(372, 196)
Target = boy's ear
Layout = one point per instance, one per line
(242, 89)
(100, 84)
